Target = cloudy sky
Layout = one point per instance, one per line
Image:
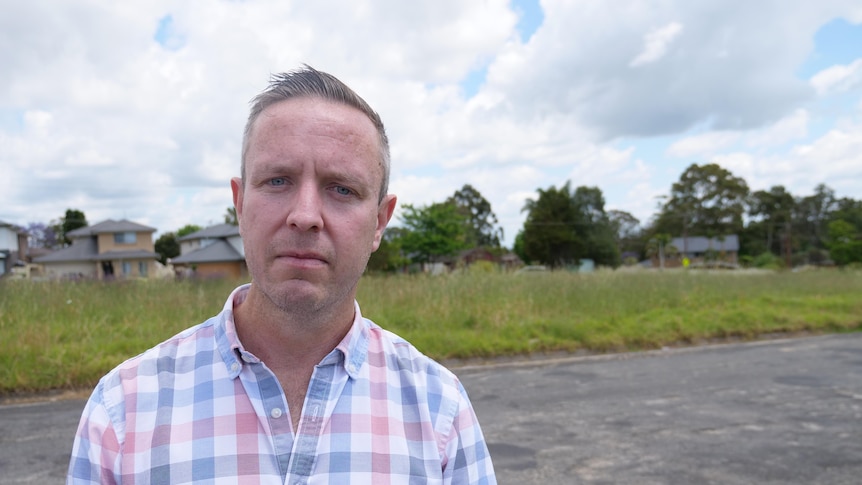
(135, 109)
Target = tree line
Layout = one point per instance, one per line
(565, 225)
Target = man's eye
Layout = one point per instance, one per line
(277, 181)
(342, 190)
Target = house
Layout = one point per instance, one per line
(107, 250)
(470, 256)
(13, 245)
(702, 250)
(215, 251)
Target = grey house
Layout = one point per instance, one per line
(697, 249)
(213, 252)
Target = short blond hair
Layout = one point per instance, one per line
(308, 82)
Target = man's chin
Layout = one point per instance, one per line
(294, 295)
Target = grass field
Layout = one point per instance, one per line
(67, 335)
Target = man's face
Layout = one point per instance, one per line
(308, 208)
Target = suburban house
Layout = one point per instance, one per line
(703, 250)
(107, 250)
(13, 247)
(213, 252)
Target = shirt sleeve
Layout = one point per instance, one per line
(96, 450)
(467, 457)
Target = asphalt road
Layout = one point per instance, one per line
(782, 411)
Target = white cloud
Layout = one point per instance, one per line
(835, 159)
(96, 114)
(838, 79)
(656, 44)
(787, 129)
(790, 128)
(702, 144)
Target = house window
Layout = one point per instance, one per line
(142, 268)
(125, 238)
(127, 268)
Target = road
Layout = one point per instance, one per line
(780, 411)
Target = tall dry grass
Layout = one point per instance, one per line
(57, 335)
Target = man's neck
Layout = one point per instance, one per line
(284, 340)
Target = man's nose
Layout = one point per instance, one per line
(306, 207)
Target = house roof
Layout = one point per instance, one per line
(110, 226)
(700, 244)
(213, 232)
(217, 252)
(13, 227)
(82, 250)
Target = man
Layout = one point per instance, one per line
(289, 383)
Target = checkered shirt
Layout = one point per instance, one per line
(198, 408)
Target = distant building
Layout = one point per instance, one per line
(702, 251)
(213, 252)
(13, 247)
(107, 250)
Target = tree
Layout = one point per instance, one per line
(74, 219)
(230, 216)
(389, 256)
(518, 246)
(706, 199)
(844, 244)
(41, 235)
(565, 226)
(627, 231)
(482, 229)
(167, 246)
(811, 217)
(850, 211)
(594, 227)
(549, 236)
(433, 231)
(774, 209)
(187, 229)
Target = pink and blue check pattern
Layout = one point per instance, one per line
(199, 409)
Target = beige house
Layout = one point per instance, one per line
(213, 252)
(107, 250)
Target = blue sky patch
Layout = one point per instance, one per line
(167, 35)
(11, 120)
(474, 80)
(836, 43)
(530, 17)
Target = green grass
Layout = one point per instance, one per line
(67, 335)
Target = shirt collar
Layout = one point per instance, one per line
(354, 345)
(351, 352)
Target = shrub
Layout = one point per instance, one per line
(767, 261)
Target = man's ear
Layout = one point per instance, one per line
(236, 188)
(384, 214)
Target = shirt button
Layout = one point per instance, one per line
(234, 367)
(276, 413)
